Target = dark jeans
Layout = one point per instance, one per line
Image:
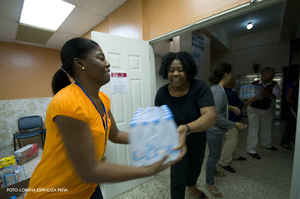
(215, 144)
(97, 194)
(186, 172)
(289, 135)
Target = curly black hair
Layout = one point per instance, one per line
(187, 61)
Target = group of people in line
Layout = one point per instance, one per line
(79, 123)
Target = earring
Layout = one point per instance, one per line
(82, 68)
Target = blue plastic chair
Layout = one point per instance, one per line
(29, 126)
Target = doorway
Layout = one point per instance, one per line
(249, 41)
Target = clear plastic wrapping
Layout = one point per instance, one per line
(153, 134)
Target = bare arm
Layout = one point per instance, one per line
(207, 119)
(80, 148)
(117, 136)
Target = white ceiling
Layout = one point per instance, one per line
(86, 15)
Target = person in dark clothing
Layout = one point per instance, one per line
(291, 97)
(231, 136)
(260, 113)
(234, 100)
(220, 77)
(192, 105)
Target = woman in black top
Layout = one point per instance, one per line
(192, 104)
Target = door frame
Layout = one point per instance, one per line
(226, 15)
(295, 192)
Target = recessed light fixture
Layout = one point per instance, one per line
(250, 26)
(45, 14)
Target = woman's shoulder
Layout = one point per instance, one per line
(69, 102)
(69, 93)
(67, 98)
(217, 90)
(162, 90)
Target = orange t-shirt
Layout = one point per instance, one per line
(55, 176)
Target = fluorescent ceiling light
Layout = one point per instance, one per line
(45, 14)
(250, 26)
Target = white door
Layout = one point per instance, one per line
(135, 57)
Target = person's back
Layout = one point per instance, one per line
(219, 92)
(221, 101)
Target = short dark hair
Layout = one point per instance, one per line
(267, 69)
(74, 48)
(219, 72)
(187, 61)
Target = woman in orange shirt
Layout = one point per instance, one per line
(79, 123)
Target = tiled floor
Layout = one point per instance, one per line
(268, 178)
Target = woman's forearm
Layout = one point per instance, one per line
(203, 123)
(121, 138)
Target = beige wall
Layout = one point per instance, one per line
(147, 19)
(263, 48)
(163, 16)
(126, 21)
(26, 71)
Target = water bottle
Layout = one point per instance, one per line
(173, 138)
(137, 149)
(152, 135)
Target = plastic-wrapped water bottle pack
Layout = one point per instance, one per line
(248, 91)
(153, 135)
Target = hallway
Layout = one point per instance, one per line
(268, 178)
